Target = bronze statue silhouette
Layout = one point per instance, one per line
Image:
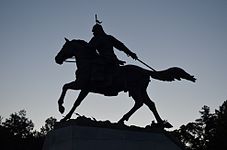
(104, 45)
(128, 78)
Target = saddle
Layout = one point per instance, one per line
(98, 75)
(102, 76)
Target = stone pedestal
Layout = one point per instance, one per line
(76, 137)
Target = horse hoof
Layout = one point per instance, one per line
(63, 119)
(166, 124)
(121, 122)
(61, 109)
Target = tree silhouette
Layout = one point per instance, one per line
(206, 133)
(49, 125)
(1, 118)
(16, 132)
(19, 125)
(219, 140)
(209, 132)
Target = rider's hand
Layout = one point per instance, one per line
(134, 56)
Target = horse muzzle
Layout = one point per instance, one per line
(58, 61)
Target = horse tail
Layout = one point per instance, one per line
(171, 74)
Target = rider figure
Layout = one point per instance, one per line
(104, 45)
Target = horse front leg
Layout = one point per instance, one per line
(71, 85)
(80, 98)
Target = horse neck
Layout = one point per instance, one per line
(84, 59)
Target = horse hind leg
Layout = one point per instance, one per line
(137, 105)
(152, 107)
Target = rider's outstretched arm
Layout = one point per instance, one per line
(120, 46)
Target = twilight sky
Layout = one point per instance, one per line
(191, 34)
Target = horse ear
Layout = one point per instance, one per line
(66, 39)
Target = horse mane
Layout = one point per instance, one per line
(81, 42)
(89, 50)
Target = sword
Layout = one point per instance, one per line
(146, 64)
(70, 61)
(73, 61)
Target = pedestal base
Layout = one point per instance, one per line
(76, 137)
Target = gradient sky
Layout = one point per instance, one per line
(191, 34)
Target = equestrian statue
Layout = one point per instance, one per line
(100, 71)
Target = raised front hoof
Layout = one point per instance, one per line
(61, 109)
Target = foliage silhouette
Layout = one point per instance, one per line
(16, 132)
(19, 125)
(209, 132)
(49, 125)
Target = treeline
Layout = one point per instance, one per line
(209, 132)
(17, 132)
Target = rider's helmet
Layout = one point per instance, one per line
(97, 29)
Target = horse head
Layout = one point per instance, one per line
(65, 52)
(73, 48)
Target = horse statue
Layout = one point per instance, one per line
(128, 78)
